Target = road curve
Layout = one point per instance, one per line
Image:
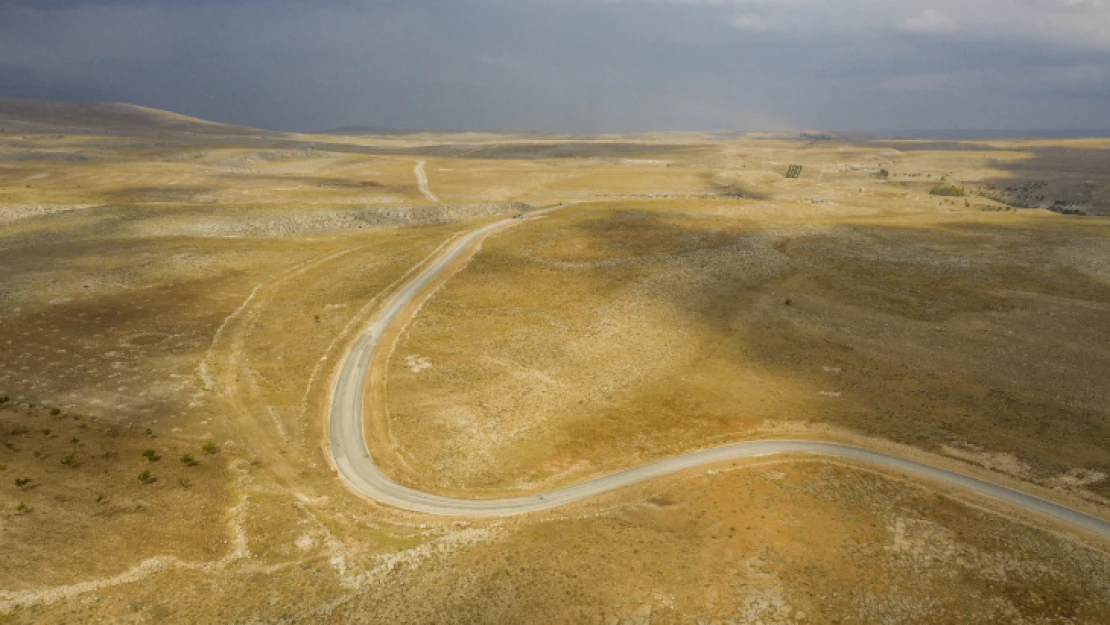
(422, 182)
(353, 461)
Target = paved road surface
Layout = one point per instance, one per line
(357, 467)
(422, 182)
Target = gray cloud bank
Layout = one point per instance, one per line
(573, 65)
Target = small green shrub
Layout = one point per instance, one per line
(149, 432)
(74, 441)
(70, 460)
(100, 498)
(37, 454)
(150, 454)
(22, 508)
(22, 482)
(145, 477)
(46, 432)
(55, 411)
(4, 399)
(188, 460)
(210, 448)
(947, 190)
(184, 482)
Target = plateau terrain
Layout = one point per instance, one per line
(492, 377)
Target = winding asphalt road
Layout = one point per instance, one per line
(352, 458)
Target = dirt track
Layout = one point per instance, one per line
(422, 182)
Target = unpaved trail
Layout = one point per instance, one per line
(202, 368)
(352, 458)
(422, 182)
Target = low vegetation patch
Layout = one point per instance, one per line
(947, 190)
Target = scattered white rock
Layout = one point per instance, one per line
(1077, 478)
(1003, 462)
(417, 363)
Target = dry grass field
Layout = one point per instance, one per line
(615, 333)
(175, 297)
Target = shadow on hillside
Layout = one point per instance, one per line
(862, 312)
(1063, 179)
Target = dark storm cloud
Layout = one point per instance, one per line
(580, 65)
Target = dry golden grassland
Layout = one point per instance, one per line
(776, 542)
(611, 334)
(163, 292)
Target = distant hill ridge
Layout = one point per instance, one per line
(364, 130)
(48, 116)
(356, 131)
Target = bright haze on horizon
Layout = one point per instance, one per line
(573, 65)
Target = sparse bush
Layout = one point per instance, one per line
(150, 454)
(210, 448)
(184, 482)
(74, 440)
(4, 399)
(3, 467)
(188, 460)
(787, 302)
(947, 190)
(37, 454)
(882, 173)
(145, 477)
(22, 482)
(149, 432)
(22, 508)
(55, 411)
(9, 446)
(46, 432)
(100, 498)
(70, 460)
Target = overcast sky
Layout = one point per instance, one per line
(573, 65)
